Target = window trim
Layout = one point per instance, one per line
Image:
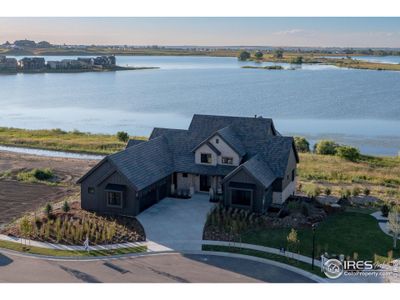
(242, 189)
(208, 154)
(121, 197)
(227, 157)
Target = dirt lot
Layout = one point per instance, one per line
(16, 197)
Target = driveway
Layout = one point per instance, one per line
(176, 224)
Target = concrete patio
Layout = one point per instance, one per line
(176, 224)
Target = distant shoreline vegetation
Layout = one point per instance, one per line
(266, 68)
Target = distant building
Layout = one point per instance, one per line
(32, 64)
(8, 64)
(105, 61)
(87, 61)
(25, 43)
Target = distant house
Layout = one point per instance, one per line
(32, 63)
(243, 161)
(8, 64)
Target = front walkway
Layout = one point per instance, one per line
(383, 223)
(174, 224)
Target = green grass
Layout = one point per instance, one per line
(344, 233)
(59, 140)
(51, 252)
(274, 257)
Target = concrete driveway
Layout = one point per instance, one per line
(176, 224)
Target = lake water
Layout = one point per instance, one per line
(358, 107)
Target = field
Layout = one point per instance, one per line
(56, 139)
(19, 197)
(380, 174)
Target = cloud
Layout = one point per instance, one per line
(289, 32)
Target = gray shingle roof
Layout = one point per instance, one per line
(133, 142)
(170, 150)
(260, 170)
(145, 163)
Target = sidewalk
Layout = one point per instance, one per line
(383, 223)
(67, 247)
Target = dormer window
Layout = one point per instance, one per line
(217, 141)
(227, 160)
(205, 158)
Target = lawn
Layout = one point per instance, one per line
(56, 139)
(274, 257)
(344, 233)
(51, 252)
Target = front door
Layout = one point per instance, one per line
(205, 183)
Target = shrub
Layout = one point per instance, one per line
(325, 147)
(65, 207)
(356, 191)
(36, 175)
(258, 55)
(297, 60)
(122, 136)
(244, 55)
(312, 191)
(348, 153)
(385, 209)
(327, 191)
(366, 191)
(302, 145)
(345, 193)
(48, 209)
(292, 241)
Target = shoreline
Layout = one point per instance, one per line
(46, 71)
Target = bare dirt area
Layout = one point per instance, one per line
(17, 197)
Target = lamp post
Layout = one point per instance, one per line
(314, 228)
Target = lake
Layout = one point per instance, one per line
(357, 107)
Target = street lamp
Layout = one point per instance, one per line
(314, 228)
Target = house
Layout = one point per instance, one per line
(244, 161)
(32, 63)
(8, 64)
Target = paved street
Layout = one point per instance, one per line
(156, 268)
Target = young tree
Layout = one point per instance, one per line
(297, 60)
(122, 136)
(65, 207)
(292, 241)
(48, 209)
(25, 227)
(394, 224)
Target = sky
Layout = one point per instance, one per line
(226, 31)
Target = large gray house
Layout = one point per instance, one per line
(243, 161)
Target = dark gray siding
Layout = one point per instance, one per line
(98, 179)
(288, 173)
(243, 176)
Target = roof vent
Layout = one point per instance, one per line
(260, 117)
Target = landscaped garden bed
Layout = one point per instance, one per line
(70, 225)
(354, 234)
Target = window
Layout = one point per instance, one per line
(227, 160)
(293, 174)
(184, 175)
(114, 199)
(241, 197)
(205, 158)
(90, 190)
(217, 141)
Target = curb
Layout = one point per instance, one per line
(306, 274)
